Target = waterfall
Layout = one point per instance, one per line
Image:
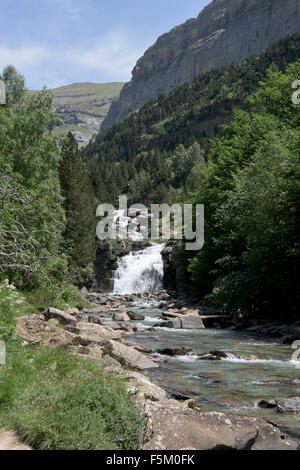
(140, 271)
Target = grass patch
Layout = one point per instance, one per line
(58, 402)
(39, 299)
(55, 401)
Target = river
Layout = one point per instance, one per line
(234, 385)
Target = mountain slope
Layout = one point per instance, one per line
(83, 106)
(226, 31)
(192, 111)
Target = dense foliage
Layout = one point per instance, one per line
(190, 113)
(34, 223)
(247, 176)
(79, 206)
(250, 188)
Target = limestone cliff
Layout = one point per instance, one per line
(225, 31)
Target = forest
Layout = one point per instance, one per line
(246, 173)
(46, 199)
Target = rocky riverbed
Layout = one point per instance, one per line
(156, 344)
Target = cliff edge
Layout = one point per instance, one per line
(225, 31)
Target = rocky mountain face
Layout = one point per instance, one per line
(83, 106)
(226, 31)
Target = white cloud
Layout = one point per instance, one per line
(21, 57)
(115, 55)
(111, 57)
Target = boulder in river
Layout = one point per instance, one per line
(180, 351)
(221, 354)
(267, 404)
(289, 405)
(185, 322)
(135, 316)
(191, 322)
(285, 405)
(214, 356)
(282, 382)
(121, 316)
(289, 339)
(176, 323)
(209, 357)
(188, 311)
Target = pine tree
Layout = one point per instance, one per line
(79, 206)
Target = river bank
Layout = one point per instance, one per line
(283, 332)
(220, 369)
(107, 334)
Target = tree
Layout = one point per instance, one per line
(29, 158)
(260, 237)
(250, 189)
(15, 85)
(140, 188)
(79, 206)
(17, 247)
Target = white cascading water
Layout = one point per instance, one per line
(140, 271)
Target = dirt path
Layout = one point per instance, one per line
(10, 441)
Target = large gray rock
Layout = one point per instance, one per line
(62, 317)
(130, 356)
(191, 322)
(135, 316)
(175, 323)
(181, 429)
(180, 351)
(93, 352)
(139, 383)
(225, 31)
(121, 316)
(97, 334)
(137, 346)
(179, 321)
(289, 405)
(33, 330)
(281, 382)
(267, 404)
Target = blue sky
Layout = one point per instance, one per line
(58, 42)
